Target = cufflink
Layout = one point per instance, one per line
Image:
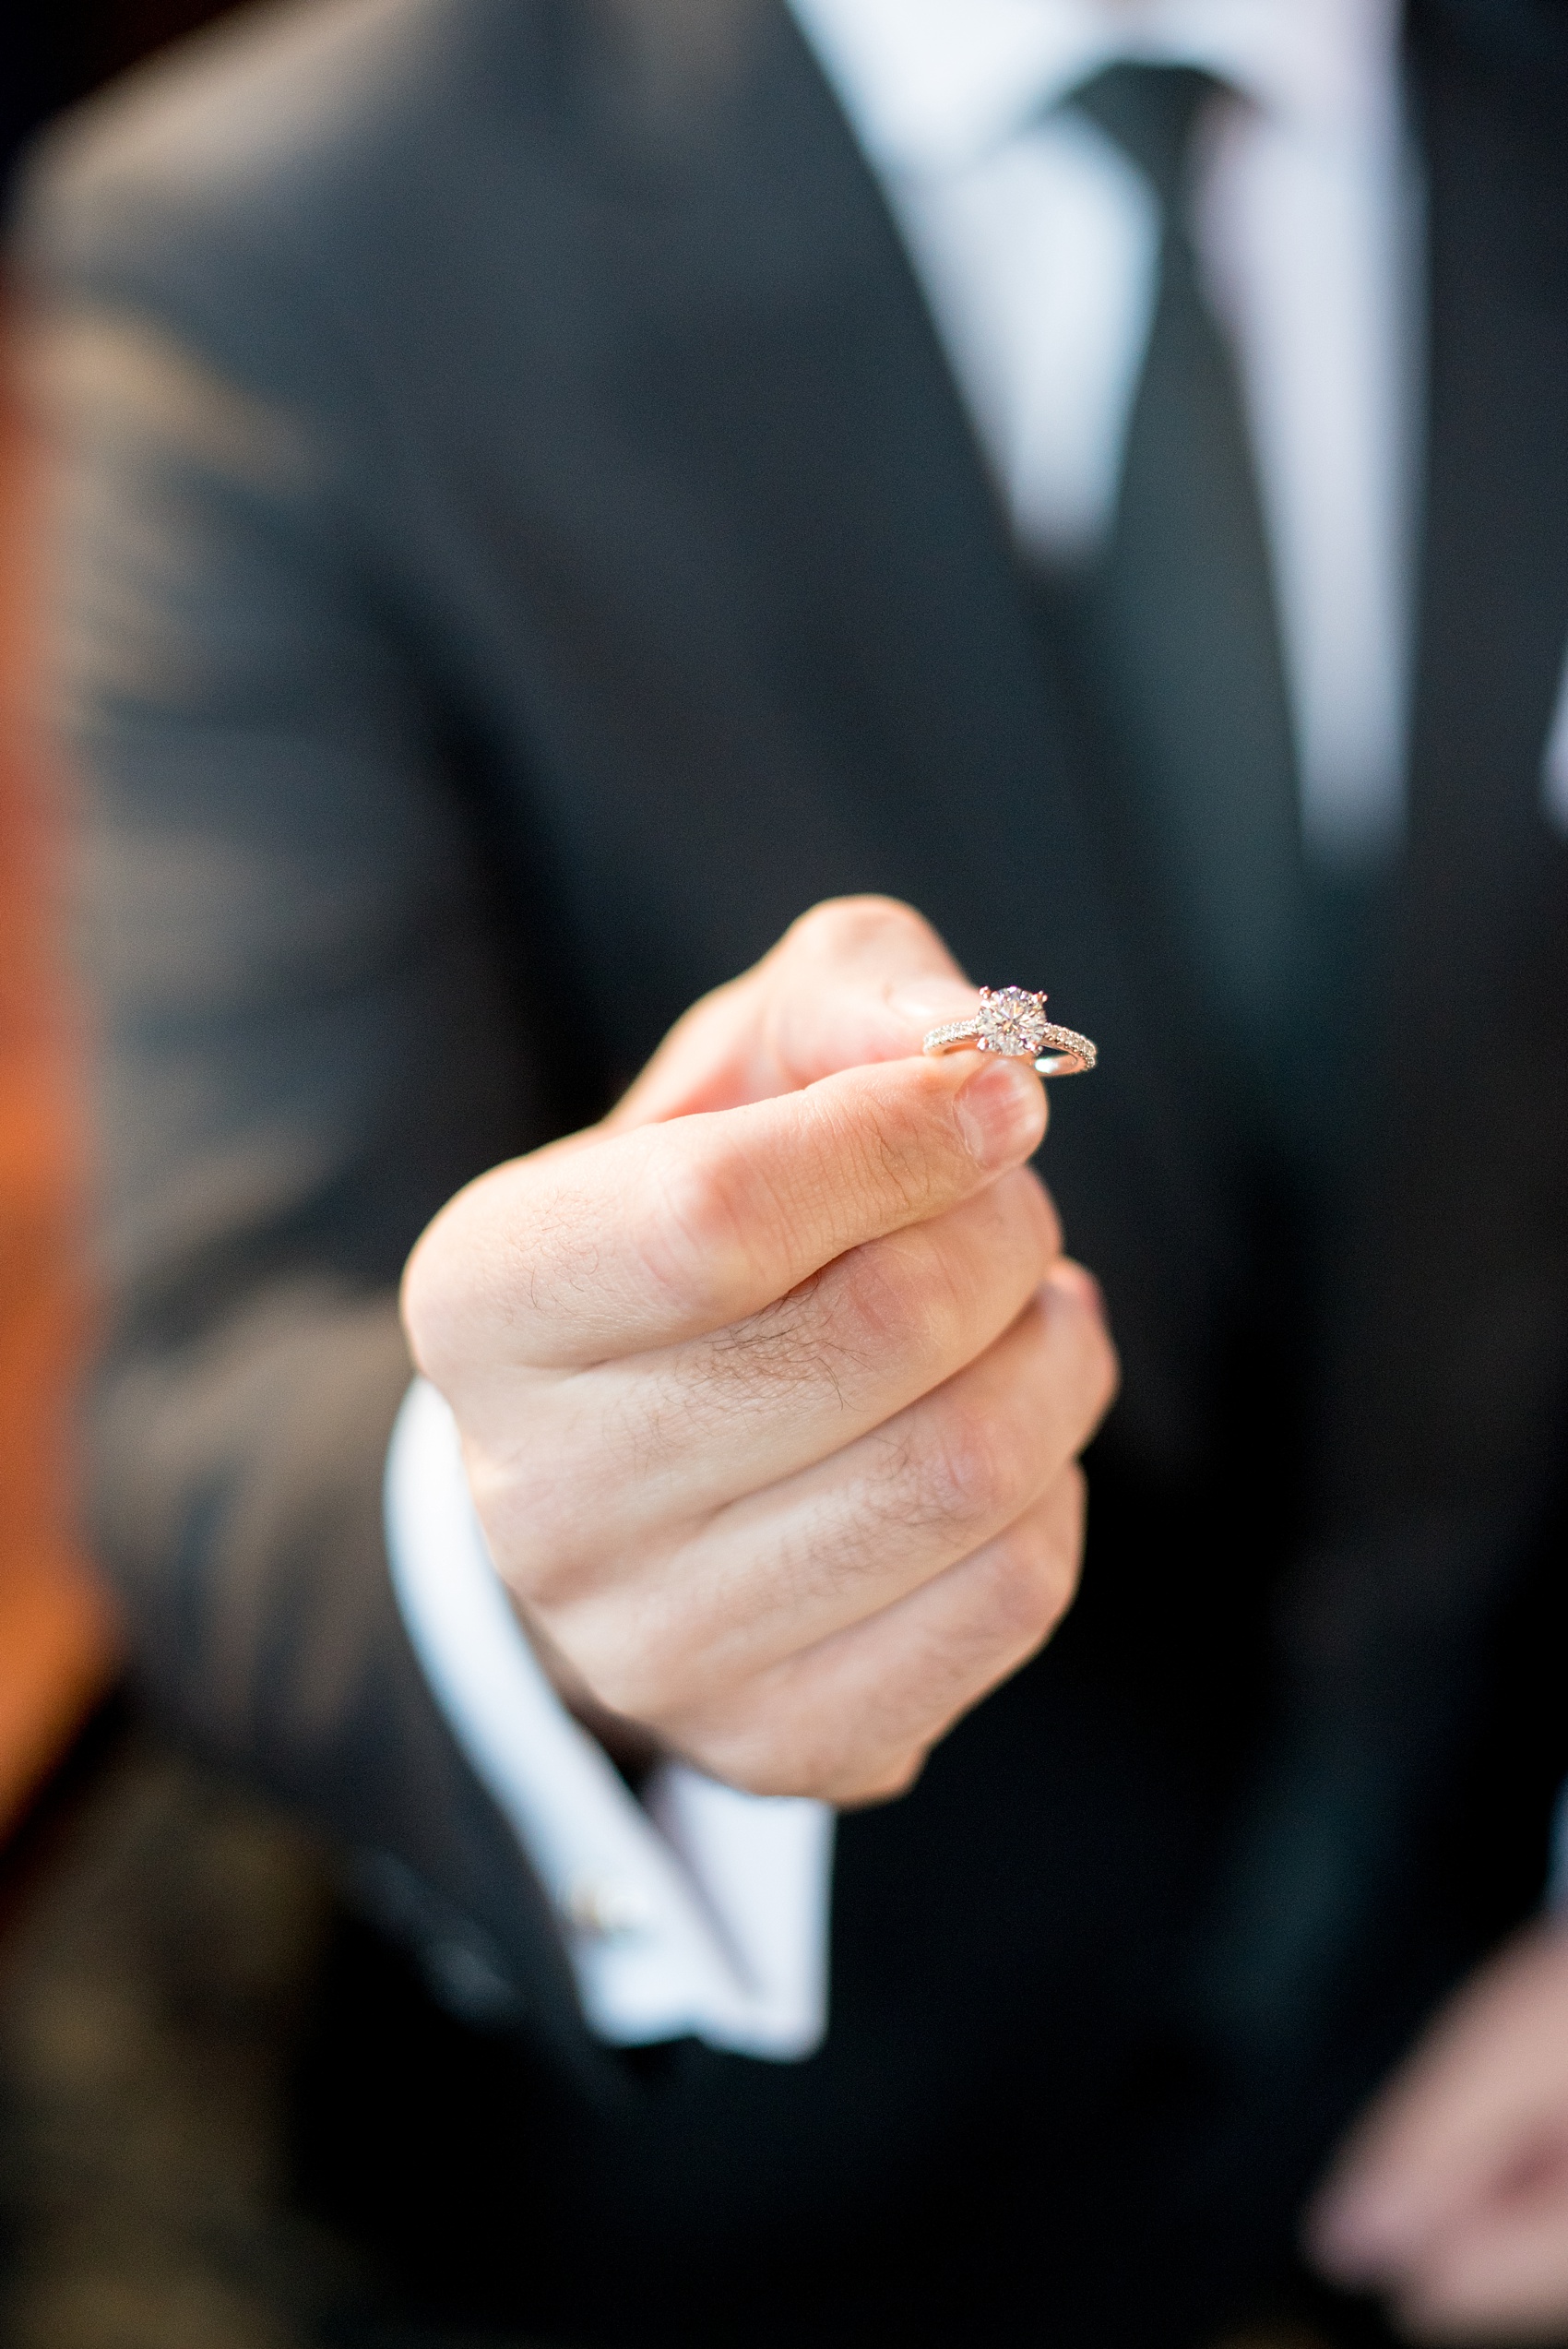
(602, 1908)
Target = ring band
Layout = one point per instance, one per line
(1012, 1022)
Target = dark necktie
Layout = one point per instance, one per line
(1176, 636)
(1177, 630)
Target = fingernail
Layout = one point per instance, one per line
(1001, 1111)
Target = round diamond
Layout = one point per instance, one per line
(1012, 1022)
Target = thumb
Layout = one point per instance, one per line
(856, 980)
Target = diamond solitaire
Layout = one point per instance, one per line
(1012, 1022)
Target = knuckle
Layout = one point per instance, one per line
(536, 1566)
(1099, 1364)
(1020, 1224)
(758, 1771)
(882, 1783)
(784, 1746)
(626, 1682)
(1023, 1597)
(437, 1301)
(419, 1306)
(1108, 1365)
(758, 1755)
(1040, 1209)
(859, 1319)
(522, 1538)
(840, 928)
(1072, 1362)
(1069, 1506)
(778, 1349)
(971, 1470)
(887, 1300)
(546, 1544)
(693, 1240)
(634, 1660)
(1035, 1567)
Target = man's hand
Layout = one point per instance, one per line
(771, 1388)
(1452, 2196)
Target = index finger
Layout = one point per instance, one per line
(855, 980)
(669, 1231)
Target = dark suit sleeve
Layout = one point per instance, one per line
(306, 1028)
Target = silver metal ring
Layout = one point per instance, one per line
(1012, 1022)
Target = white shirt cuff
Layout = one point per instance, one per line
(699, 1911)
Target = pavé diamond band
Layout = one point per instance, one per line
(1012, 1022)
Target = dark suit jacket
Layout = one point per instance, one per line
(526, 547)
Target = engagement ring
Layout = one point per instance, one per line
(1013, 1021)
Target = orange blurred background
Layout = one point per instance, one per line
(57, 1649)
(58, 1645)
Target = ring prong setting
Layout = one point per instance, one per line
(1012, 1022)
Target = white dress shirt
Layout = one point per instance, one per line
(1037, 242)
(702, 1911)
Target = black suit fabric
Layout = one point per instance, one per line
(526, 548)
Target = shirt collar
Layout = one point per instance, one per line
(932, 85)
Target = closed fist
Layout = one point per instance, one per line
(771, 1388)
